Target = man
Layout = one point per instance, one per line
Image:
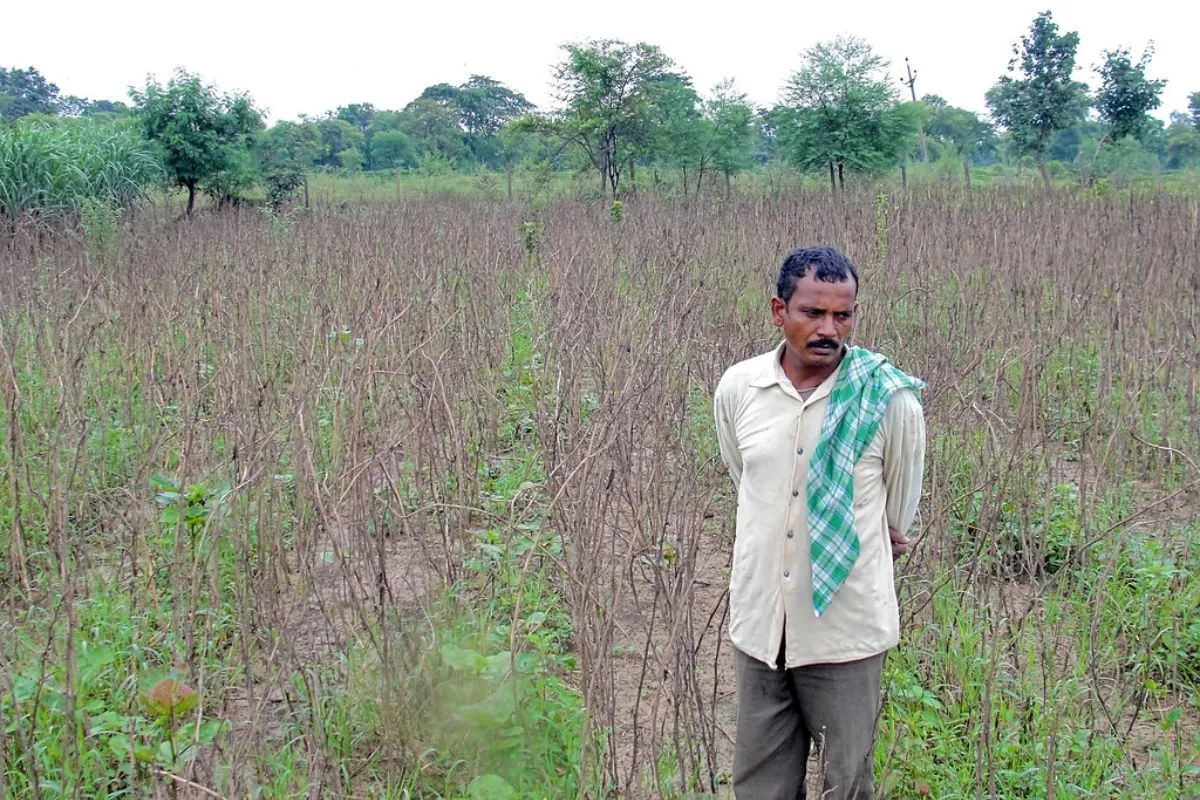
(826, 445)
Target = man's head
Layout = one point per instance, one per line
(815, 304)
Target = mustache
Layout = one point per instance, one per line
(823, 343)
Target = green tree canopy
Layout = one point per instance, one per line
(962, 130)
(608, 89)
(482, 107)
(1126, 96)
(842, 110)
(1044, 98)
(679, 135)
(285, 151)
(202, 133)
(337, 137)
(434, 130)
(24, 92)
(391, 150)
(734, 130)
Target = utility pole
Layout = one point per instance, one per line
(911, 83)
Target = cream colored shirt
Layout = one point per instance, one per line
(766, 433)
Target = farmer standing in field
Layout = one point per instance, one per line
(826, 446)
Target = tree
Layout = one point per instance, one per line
(1046, 98)
(285, 151)
(607, 87)
(961, 129)
(201, 132)
(392, 150)
(25, 91)
(434, 129)
(1125, 97)
(1194, 108)
(337, 136)
(843, 111)
(679, 135)
(482, 106)
(734, 130)
(1182, 146)
(361, 116)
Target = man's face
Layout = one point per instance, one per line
(817, 320)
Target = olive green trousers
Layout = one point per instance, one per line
(783, 713)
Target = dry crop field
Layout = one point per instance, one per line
(422, 499)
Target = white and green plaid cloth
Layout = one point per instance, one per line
(856, 407)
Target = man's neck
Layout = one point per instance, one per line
(805, 380)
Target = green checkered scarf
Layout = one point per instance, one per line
(856, 408)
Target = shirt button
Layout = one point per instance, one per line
(800, 451)
(790, 534)
(796, 493)
(787, 574)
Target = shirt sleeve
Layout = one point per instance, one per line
(725, 403)
(903, 458)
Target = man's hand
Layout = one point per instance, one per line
(900, 543)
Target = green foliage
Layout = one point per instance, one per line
(1045, 98)
(1126, 96)
(392, 150)
(609, 89)
(1182, 149)
(434, 129)
(285, 151)
(680, 135)
(337, 135)
(24, 92)
(483, 107)
(841, 110)
(49, 170)
(351, 159)
(734, 129)
(204, 135)
(968, 135)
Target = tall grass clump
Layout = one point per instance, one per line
(52, 170)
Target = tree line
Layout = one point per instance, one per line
(627, 107)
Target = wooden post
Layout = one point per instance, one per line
(911, 83)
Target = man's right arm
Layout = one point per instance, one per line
(725, 402)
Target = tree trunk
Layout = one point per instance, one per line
(306, 203)
(728, 187)
(842, 176)
(191, 187)
(1091, 174)
(903, 178)
(1041, 163)
(967, 171)
(683, 170)
(832, 178)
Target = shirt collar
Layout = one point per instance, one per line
(772, 374)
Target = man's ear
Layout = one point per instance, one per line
(777, 309)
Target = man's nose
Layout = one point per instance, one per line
(827, 328)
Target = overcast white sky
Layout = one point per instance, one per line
(298, 58)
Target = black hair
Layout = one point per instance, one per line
(829, 263)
